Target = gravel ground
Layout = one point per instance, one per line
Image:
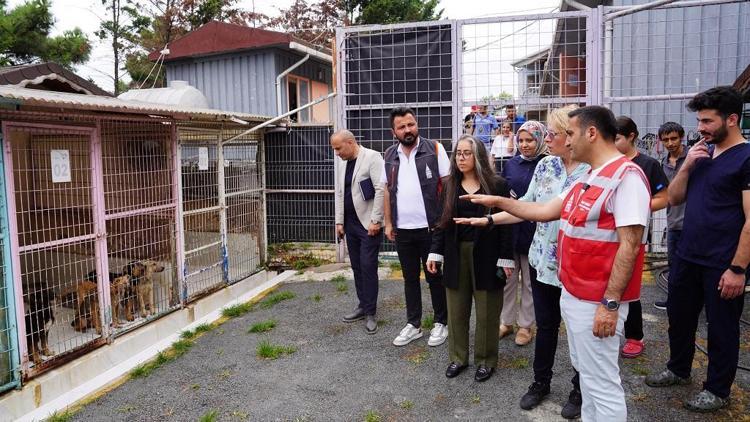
(340, 373)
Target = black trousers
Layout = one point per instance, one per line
(691, 286)
(634, 321)
(363, 254)
(413, 247)
(548, 317)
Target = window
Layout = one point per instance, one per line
(298, 94)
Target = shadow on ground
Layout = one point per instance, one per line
(338, 372)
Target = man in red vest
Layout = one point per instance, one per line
(603, 220)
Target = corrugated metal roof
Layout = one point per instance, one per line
(35, 97)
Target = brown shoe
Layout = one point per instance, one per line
(505, 330)
(523, 336)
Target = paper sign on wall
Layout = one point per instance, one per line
(60, 165)
(202, 158)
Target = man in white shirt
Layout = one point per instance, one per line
(412, 174)
(602, 235)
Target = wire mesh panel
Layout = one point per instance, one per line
(53, 197)
(139, 179)
(204, 257)
(397, 65)
(655, 60)
(243, 181)
(520, 67)
(299, 181)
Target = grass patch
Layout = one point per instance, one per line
(180, 347)
(395, 266)
(316, 297)
(342, 287)
(240, 415)
(203, 328)
(383, 322)
(161, 359)
(372, 416)
(418, 356)
(406, 404)
(428, 322)
(210, 416)
(187, 335)
(125, 409)
(276, 298)
(268, 350)
(519, 363)
(475, 399)
(263, 326)
(59, 417)
(301, 262)
(225, 374)
(195, 386)
(338, 278)
(236, 310)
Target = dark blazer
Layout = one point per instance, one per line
(491, 243)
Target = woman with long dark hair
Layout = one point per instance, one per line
(472, 257)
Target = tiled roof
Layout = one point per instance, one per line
(48, 75)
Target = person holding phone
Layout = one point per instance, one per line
(359, 217)
(713, 253)
(477, 260)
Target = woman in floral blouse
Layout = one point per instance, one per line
(553, 174)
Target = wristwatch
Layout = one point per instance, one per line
(737, 269)
(490, 220)
(611, 305)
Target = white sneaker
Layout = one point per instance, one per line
(438, 335)
(407, 335)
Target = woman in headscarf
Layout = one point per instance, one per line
(472, 256)
(518, 172)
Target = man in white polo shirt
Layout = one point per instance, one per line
(412, 174)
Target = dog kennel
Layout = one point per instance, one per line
(119, 212)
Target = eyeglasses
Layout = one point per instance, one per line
(463, 154)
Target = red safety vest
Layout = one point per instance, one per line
(588, 242)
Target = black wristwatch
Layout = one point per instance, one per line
(737, 269)
(611, 305)
(490, 220)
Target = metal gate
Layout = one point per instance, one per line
(8, 328)
(52, 191)
(222, 207)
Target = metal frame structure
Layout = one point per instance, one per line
(128, 169)
(9, 357)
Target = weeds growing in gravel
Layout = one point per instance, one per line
(180, 347)
(268, 350)
(210, 416)
(519, 363)
(236, 310)
(342, 287)
(187, 335)
(59, 417)
(475, 399)
(338, 278)
(203, 328)
(372, 416)
(276, 298)
(316, 297)
(428, 322)
(406, 404)
(395, 266)
(263, 326)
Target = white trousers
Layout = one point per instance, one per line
(596, 359)
(519, 280)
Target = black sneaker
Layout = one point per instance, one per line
(572, 409)
(662, 304)
(537, 392)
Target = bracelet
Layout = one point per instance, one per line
(490, 221)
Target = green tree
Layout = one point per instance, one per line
(365, 12)
(122, 29)
(24, 37)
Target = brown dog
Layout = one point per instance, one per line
(87, 306)
(141, 277)
(119, 288)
